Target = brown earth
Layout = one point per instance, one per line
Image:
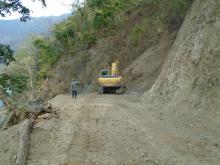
(110, 129)
(187, 92)
(141, 74)
(175, 122)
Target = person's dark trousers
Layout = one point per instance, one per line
(74, 94)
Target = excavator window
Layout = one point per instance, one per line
(104, 73)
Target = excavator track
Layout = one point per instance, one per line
(121, 90)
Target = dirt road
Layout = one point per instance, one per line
(112, 130)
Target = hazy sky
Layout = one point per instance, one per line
(54, 8)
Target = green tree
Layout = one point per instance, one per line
(7, 7)
(47, 54)
(6, 54)
(10, 88)
(107, 12)
(12, 83)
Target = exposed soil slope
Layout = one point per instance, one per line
(187, 92)
(142, 73)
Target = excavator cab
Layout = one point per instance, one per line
(104, 72)
(111, 82)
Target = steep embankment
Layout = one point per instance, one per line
(190, 75)
(186, 95)
(141, 74)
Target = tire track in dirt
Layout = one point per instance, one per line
(87, 140)
(108, 130)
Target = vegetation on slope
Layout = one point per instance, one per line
(99, 32)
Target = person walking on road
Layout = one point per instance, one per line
(74, 88)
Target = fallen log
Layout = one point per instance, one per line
(24, 134)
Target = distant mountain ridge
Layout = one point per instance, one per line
(13, 32)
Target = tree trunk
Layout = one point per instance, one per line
(6, 124)
(5, 101)
(31, 83)
(10, 108)
(24, 134)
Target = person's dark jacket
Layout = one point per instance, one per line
(74, 85)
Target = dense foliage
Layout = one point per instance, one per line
(12, 84)
(6, 54)
(102, 18)
(47, 55)
(106, 12)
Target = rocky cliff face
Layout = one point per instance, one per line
(188, 88)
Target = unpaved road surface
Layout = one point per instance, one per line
(113, 130)
(110, 130)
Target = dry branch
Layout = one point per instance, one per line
(9, 119)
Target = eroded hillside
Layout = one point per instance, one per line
(187, 92)
(190, 76)
(176, 121)
(140, 41)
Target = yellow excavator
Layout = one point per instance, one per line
(111, 82)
